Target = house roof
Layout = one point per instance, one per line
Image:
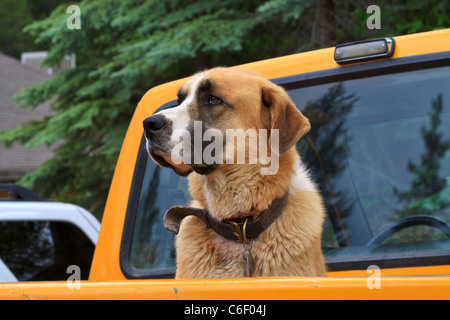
(17, 160)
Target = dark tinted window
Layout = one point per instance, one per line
(42, 250)
(380, 149)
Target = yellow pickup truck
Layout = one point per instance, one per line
(379, 148)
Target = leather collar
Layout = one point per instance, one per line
(236, 230)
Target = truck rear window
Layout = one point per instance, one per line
(42, 250)
(379, 148)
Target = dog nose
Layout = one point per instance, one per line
(153, 124)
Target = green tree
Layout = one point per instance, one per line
(14, 16)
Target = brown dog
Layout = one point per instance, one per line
(276, 215)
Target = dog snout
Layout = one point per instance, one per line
(153, 124)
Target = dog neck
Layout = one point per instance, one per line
(235, 230)
(238, 191)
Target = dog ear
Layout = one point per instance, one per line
(284, 116)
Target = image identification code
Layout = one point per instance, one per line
(233, 309)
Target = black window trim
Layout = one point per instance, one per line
(340, 73)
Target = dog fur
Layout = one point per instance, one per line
(291, 246)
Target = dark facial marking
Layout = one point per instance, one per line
(206, 86)
(206, 95)
(182, 94)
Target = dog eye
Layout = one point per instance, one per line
(214, 101)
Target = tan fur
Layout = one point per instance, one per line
(291, 246)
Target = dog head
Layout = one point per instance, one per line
(214, 105)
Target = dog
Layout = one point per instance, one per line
(241, 222)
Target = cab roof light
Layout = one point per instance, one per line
(364, 50)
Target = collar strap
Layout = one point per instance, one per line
(229, 229)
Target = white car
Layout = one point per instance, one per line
(40, 239)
